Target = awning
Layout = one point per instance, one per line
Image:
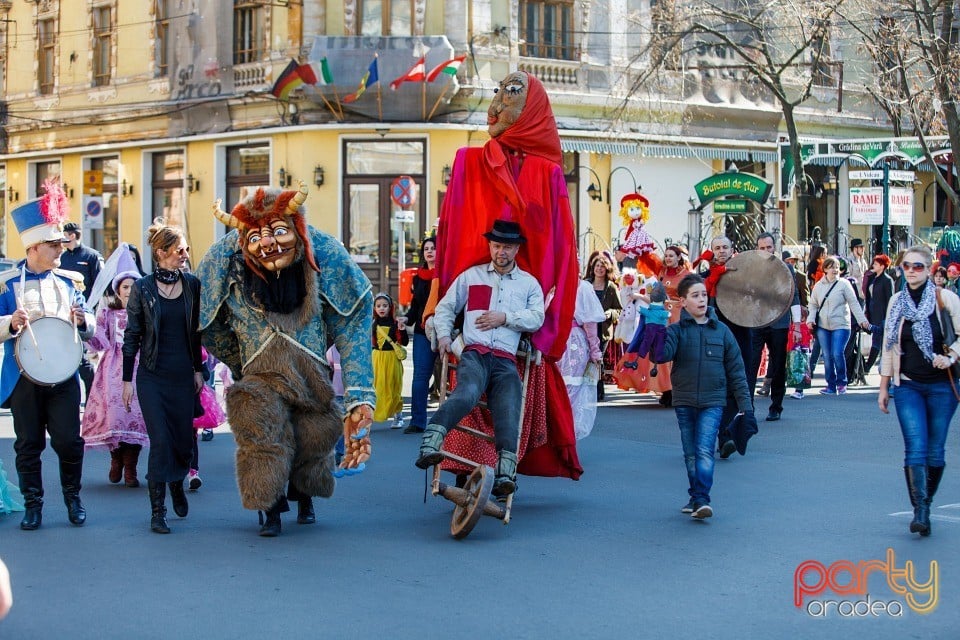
(599, 146)
(706, 153)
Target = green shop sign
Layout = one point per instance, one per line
(858, 152)
(730, 206)
(734, 183)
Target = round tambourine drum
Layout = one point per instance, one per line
(756, 289)
(55, 356)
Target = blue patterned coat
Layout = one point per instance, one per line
(235, 329)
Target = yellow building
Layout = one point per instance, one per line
(161, 107)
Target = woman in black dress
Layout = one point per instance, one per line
(163, 315)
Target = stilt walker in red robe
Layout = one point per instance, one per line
(517, 175)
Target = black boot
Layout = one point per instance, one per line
(933, 483)
(158, 510)
(270, 526)
(305, 513)
(916, 476)
(430, 446)
(70, 473)
(31, 486)
(179, 499)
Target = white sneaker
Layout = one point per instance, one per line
(193, 481)
(702, 511)
(397, 423)
(797, 395)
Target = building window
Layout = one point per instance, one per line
(167, 199)
(103, 235)
(386, 17)
(248, 168)
(43, 171)
(102, 45)
(161, 57)
(248, 31)
(47, 42)
(546, 29)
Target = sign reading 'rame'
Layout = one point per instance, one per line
(732, 183)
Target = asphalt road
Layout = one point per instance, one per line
(609, 556)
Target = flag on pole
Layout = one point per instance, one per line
(369, 79)
(416, 73)
(449, 67)
(287, 81)
(316, 73)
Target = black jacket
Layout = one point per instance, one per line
(879, 290)
(143, 324)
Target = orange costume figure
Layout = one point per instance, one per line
(517, 175)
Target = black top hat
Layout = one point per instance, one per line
(505, 231)
(856, 242)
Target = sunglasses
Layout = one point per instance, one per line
(181, 250)
(913, 266)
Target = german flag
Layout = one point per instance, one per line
(288, 80)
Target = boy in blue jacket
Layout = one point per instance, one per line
(706, 359)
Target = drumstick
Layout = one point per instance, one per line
(73, 321)
(29, 328)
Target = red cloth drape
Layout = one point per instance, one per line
(518, 177)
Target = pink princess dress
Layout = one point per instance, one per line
(213, 415)
(106, 423)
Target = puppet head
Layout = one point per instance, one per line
(273, 229)
(634, 206)
(508, 103)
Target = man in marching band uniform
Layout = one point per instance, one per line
(39, 288)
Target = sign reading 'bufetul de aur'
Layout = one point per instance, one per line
(734, 183)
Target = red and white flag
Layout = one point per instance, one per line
(416, 73)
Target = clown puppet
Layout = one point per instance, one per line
(274, 291)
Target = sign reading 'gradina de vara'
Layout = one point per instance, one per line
(741, 185)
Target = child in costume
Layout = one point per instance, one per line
(211, 418)
(630, 287)
(387, 367)
(106, 423)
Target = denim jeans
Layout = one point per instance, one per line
(497, 377)
(698, 436)
(924, 411)
(423, 359)
(835, 366)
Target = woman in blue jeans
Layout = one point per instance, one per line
(829, 302)
(919, 345)
(423, 356)
(705, 359)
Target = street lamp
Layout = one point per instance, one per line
(636, 187)
(593, 190)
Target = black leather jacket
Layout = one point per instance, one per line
(143, 324)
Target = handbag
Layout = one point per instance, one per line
(949, 337)
(816, 317)
(398, 349)
(798, 368)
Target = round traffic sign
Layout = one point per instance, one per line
(403, 191)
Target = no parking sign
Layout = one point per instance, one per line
(93, 212)
(403, 191)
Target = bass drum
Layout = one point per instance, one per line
(55, 356)
(756, 289)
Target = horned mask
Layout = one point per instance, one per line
(273, 229)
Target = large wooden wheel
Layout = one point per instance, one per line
(477, 489)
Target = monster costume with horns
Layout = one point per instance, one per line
(275, 291)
